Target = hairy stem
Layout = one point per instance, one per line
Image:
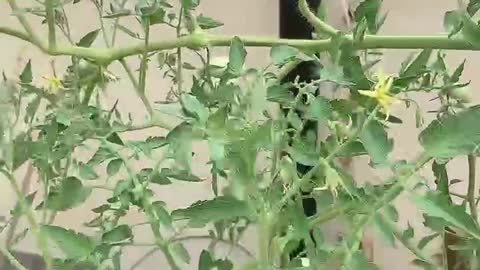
(41, 239)
(471, 186)
(50, 14)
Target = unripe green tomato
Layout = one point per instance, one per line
(462, 94)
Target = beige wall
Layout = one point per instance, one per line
(251, 17)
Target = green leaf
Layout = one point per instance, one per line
(358, 261)
(369, 10)
(114, 166)
(181, 175)
(157, 17)
(453, 135)
(473, 7)
(179, 253)
(282, 54)
(319, 109)
(427, 239)
(385, 229)
(220, 208)
(376, 142)
(457, 73)
(441, 177)
(180, 145)
(439, 205)
(280, 94)
(69, 194)
(88, 39)
(195, 107)
(360, 30)
(205, 22)
(73, 245)
(418, 65)
(87, 172)
(190, 4)
(205, 261)
(334, 73)
(26, 75)
(236, 56)
(17, 211)
(408, 234)
(118, 234)
(452, 22)
(162, 214)
(470, 30)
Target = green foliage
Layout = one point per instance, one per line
(264, 155)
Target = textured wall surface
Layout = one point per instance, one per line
(249, 17)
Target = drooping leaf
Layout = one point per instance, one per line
(114, 166)
(236, 56)
(87, 172)
(427, 239)
(376, 142)
(438, 205)
(205, 22)
(88, 39)
(69, 194)
(120, 233)
(220, 208)
(73, 245)
(453, 135)
(282, 54)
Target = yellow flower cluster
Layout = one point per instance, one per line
(381, 92)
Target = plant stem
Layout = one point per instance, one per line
(144, 61)
(32, 36)
(41, 240)
(50, 14)
(179, 75)
(319, 25)
(144, 258)
(471, 186)
(10, 258)
(388, 196)
(208, 237)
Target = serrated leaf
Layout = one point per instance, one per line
(157, 17)
(190, 4)
(73, 245)
(69, 194)
(205, 22)
(118, 234)
(114, 166)
(88, 39)
(319, 109)
(180, 145)
(453, 135)
(457, 73)
(179, 253)
(418, 65)
(162, 214)
(280, 94)
(220, 208)
(236, 57)
(282, 54)
(376, 142)
(439, 205)
(26, 75)
(473, 6)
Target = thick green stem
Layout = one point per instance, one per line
(320, 26)
(471, 186)
(50, 14)
(144, 62)
(264, 239)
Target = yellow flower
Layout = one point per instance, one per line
(381, 92)
(53, 84)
